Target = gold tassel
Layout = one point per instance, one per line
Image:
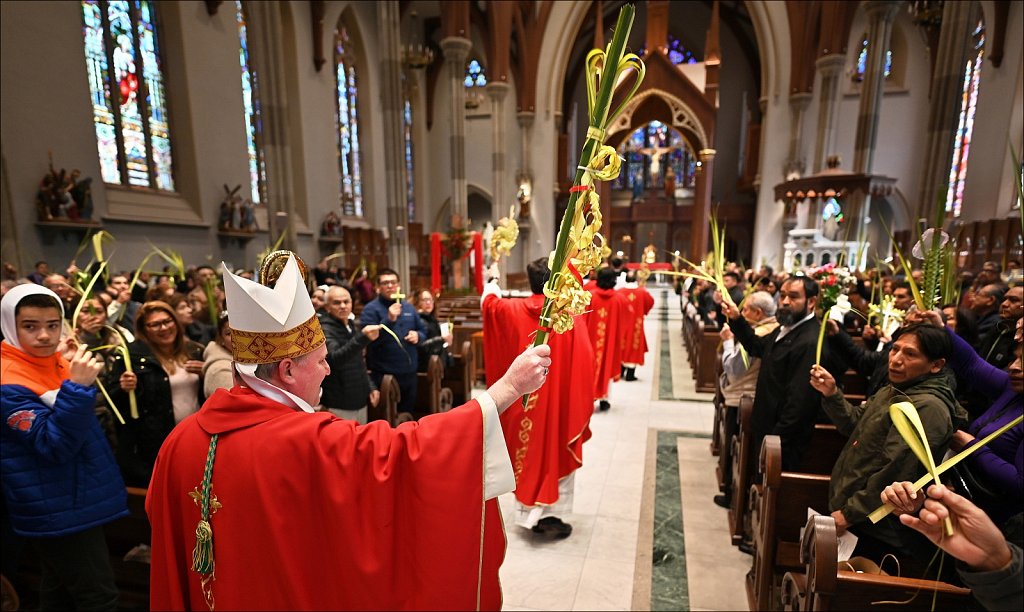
(202, 555)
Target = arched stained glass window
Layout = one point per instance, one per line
(677, 53)
(475, 75)
(965, 124)
(127, 91)
(410, 177)
(252, 108)
(862, 61)
(649, 153)
(349, 168)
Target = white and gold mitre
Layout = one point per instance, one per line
(271, 324)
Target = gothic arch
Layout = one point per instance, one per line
(681, 117)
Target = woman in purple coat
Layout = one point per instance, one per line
(1000, 464)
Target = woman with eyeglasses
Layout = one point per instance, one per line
(166, 375)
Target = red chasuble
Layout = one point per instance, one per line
(320, 513)
(545, 440)
(609, 322)
(636, 343)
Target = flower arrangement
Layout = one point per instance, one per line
(457, 242)
(833, 282)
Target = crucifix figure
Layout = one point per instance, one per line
(655, 154)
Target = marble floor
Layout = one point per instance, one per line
(646, 535)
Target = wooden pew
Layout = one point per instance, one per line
(431, 396)
(123, 535)
(708, 362)
(727, 425)
(387, 407)
(459, 377)
(776, 525)
(741, 448)
(826, 585)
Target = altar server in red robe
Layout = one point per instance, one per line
(545, 438)
(609, 322)
(641, 301)
(259, 503)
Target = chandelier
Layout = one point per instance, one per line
(416, 55)
(926, 13)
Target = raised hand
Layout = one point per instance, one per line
(526, 374)
(976, 540)
(822, 381)
(85, 367)
(371, 331)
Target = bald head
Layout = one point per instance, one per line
(338, 303)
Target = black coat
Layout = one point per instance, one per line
(785, 403)
(348, 386)
(139, 441)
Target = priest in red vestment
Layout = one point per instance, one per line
(545, 438)
(641, 301)
(258, 503)
(609, 322)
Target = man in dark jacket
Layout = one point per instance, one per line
(996, 347)
(785, 404)
(348, 387)
(396, 358)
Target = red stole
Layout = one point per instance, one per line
(322, 513)
(608, 322)
(545, 439)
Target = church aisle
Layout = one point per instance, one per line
(620, 515)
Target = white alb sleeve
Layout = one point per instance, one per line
(498, 475)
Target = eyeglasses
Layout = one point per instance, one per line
(162, 324)
(388, 283)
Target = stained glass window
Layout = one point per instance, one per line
(351, 194)
(127, 92)
(965, 124)
(677, 53)
(649, 153)
(252, 108)
(475, 76)
(862, 61)
(410, 191)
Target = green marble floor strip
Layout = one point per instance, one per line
(669, 586)
(665, 390)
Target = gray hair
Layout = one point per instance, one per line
(267, 371)
(763, 301)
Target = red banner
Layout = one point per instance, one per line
(435, 263)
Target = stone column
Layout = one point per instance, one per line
(456, 50)
(830, 67)
(702, 205)
(497, 91)
(393, 143)
(267, 53)
(796, 164)
(945, 104)
(881, 14)
(525, 174)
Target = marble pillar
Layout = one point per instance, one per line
(796, 164)
(456, 51)
(830, 68)
(881, 14)
(266, 53)
(702, 206)
(502, 201)
(393, 143)
(958, 20)
(524, 177)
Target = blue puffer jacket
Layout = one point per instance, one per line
(59, 474)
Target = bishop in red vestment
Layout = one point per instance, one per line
(545, 438)
(609, 322)
(635, 347)
(257, 503)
